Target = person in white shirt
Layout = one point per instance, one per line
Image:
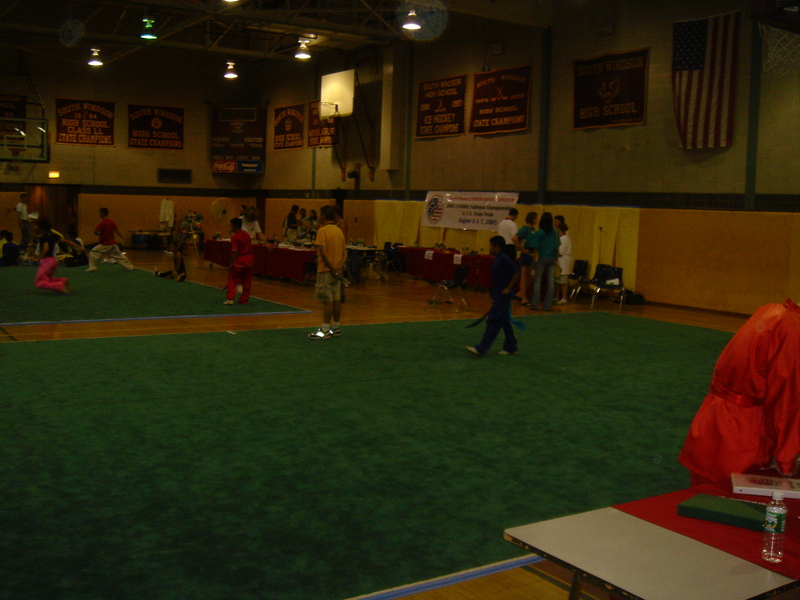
(24, 225)
(564, 260)
(508, 227)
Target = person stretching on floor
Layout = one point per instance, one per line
(505, 274)
(48, 242)
(240, 269)
(178, 272)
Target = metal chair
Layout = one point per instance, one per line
(608, 278)
(580, 270)
(457, 283)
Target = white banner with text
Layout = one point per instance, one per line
(467, 210)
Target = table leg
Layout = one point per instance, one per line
(577, 585)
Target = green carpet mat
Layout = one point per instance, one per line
(112, 293)
(264, 465)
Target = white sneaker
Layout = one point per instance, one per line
(507, 353)
(90, 269)
(320, 335)
(562, 301)
(228, 302)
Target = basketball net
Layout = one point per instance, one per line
(783, 50)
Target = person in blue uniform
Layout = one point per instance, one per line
(505, 274)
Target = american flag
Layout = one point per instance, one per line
(704, 61)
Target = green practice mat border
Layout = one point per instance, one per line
(124, 299)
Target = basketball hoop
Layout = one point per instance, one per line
(783, 50)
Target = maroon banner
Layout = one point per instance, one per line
(84, 122)
(158, 127)
(440, 107)
(288, 127)
(500, 101)
(12, 106)
(321, 132)
(611, 90)
(238, 139)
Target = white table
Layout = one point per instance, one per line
(641, 561)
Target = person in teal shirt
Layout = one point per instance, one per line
(546, 243)
(522, 240)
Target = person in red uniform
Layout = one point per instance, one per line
(106, 230)
(240, 269)
(750, 418)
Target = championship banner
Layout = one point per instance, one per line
(12, 106)
(288, 127)
(155, 127)
(500, 101)
(84, 122)
(321, 132)
(238, 139)
(440, 107)
(611, 90)
(467, 210)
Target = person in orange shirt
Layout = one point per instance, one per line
(750, 419)
(330, 244)
(240, 269)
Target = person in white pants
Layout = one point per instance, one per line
(106, 230)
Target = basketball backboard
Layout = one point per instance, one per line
(23, 140)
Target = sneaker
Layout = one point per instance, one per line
(155, 271)
(228, 302)
(474, 350)
(91, 269)
(562, 301)
(507, 353)
(336, 332)
(130, 268)
(320, 335)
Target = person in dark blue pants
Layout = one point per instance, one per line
(505, 274)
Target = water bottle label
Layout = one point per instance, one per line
(775, 522)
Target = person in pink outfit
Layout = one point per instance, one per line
(48, 247)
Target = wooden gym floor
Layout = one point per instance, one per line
(395, 298)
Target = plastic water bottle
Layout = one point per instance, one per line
(774, 529)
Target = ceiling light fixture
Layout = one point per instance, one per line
(229, 72)
(412, 24)
(148, 33)
(302, 50)
(94, 59)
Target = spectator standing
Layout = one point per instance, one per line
(522, 240)
(564, 260)
(330, 244)
(508, 226)
(546, 242)
(24, 224)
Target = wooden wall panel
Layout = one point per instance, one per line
(716, 260)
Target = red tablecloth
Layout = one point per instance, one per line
(270, 261)
(441, 266)
(744, 543)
